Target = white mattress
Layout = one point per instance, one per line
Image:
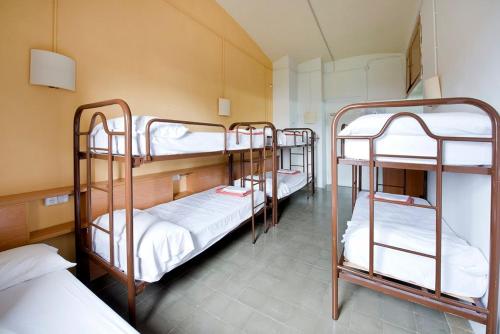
(464, 268)
(56, 303)
(405, 137)
(209, 216)
(291, 139)
(159, 245)
(168, 235)
(287, 183)
(165, 142)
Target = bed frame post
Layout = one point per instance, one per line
(371, 249)
(439, 205)
(82, 268)
(129, 207)
(335, 259)
(313, 167)
(230, 165)
(492, 325)
(275, 176)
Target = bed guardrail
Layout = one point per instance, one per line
(436, 299)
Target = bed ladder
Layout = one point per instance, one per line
(260, 181)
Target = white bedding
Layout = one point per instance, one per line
(159, 245)
(405, 137)
(287, 183)
(56, 303)
(291, 139)
(175, 138)
(169, 234)
(464, 268)
(207, 215)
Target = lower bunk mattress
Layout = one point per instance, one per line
(464, 270)
(288, 183)
(169, 234)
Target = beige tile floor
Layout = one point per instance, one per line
(281, 284)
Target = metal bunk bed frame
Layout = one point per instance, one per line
(307, 144)
(473, 310)
(84, 222)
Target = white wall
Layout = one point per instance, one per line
(284, 91)
(310, 100)
(323, 89)
(468, 63)
(359, 79)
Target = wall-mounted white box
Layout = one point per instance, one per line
(224, 107)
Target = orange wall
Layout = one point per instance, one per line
(164, 57)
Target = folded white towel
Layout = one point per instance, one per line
(235, 190)
(392, 197)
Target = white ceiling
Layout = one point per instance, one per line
(351, 27)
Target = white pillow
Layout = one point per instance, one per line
(27, 262)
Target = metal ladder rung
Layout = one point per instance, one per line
(93, 186)
(403, 250)
(98, 149)
(98, 227)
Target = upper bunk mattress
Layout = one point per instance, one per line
(172, 138)
(406, 137)
(464, 268)
(292, 139)
(57, 303)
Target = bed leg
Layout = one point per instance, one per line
(131, 307)
(335, 298)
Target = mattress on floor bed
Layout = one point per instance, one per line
(287, 183)
(57, 303)
(208, 215)
(170, 138)
(464, 268)
(405, 137)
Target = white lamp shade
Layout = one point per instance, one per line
(432, 88)
(52, 69)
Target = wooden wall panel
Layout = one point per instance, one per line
(13, 226)
(149, 191)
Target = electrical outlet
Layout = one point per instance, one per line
(49, 201)
(62, 199)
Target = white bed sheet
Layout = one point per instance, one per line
(159, 245)
(164, 143)
(57, 303)
(287, 183)
(405, 137)
(209, 216)
(291, 139)
(464, 268)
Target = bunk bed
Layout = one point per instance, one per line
(296, 176)
(42, 296)
(399, 245)
(137, 239)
